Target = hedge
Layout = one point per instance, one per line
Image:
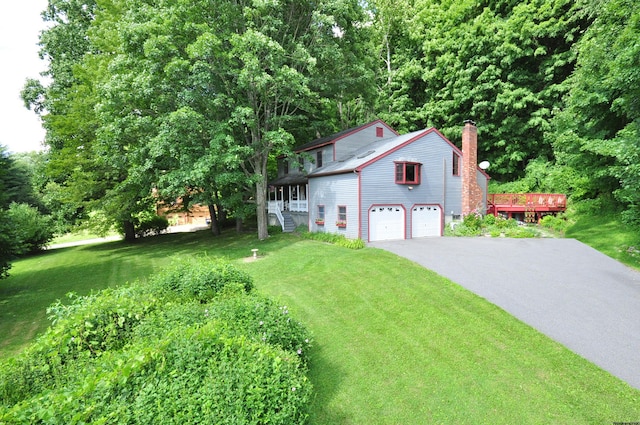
(155, 352)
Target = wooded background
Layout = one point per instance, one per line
(196, 98)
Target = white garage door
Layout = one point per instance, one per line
(426, 220)
(386, 222)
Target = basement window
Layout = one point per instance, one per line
(407, 172)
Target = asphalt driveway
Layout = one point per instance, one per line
(567, 290)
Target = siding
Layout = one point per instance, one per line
(345, 146)
(332, 191)
(310, 158)
(482, 182)
(438, 185)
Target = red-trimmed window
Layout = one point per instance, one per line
(342, 216)
(456, 164)
(407, 172)
(320, 213)
(379, 132)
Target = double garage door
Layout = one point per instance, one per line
(387, 222)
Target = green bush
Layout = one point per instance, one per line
(138, 354)
(333, 238)
(199, 278)
(152, 226)
(261, 319)
(31, 230)
(476, 225)
(557, 223)
(472, 221)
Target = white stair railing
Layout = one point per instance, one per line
(274, 208)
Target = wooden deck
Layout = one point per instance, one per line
(530, 206)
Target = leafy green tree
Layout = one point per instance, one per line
(7, 241)
(598, 133)
(23, 227)
(233, 78)
(84, 179)
(501, 63)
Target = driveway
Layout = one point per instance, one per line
(579, 297)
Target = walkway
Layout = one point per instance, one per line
(567, 290)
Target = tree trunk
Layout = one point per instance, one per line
(129, 231)
(261, 207)
(215, 226)
(238, 224)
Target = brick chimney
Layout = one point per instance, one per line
(471, 192)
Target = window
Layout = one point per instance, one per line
(320, 215)
(379, 132)
(285, 166)
(342, 216)
(456, 164)
(407, 173)
(319, 159)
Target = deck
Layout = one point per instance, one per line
(531, 206)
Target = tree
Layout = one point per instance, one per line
(239, 77)
(501, 63)
(7, 241)
(598, 133)
(23, 227)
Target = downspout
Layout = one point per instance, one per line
(360, 212)
(444, 196)
(444, 184)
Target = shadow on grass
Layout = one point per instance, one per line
(326, 378)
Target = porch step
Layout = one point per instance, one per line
(289, 224)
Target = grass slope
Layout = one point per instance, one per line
(394, 343)
(400, 344)
(604, 231)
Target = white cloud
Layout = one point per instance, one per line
(20, 26)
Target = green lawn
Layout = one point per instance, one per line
(393, 343)
(604, 231)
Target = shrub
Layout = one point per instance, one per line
(472, 221)
(199, 278)
(262, 320)
(152, 226)
(475, 225)
(31, 230)
(490, 220)
(139, 354)
(557, 223)
(333, 238)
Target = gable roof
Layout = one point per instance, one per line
(370, 153)
(327, 140)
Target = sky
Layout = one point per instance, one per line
(20, 26)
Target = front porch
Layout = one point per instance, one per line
(288, 205)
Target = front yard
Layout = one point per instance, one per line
(393, 342)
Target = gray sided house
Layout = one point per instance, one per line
(371, 183)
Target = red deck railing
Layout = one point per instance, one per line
(525, 202)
